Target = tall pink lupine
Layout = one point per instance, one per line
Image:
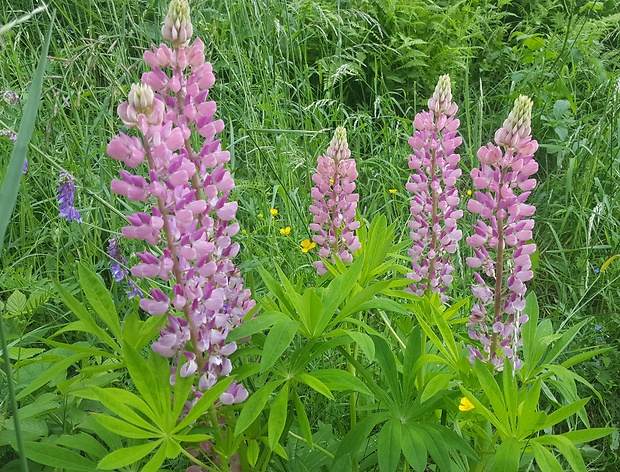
(435, 198)
(191, 222)
(334, 203)
(501, 240)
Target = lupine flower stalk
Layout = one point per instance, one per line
(66, 197)
(501, 242)
(334, 203)
(435, 197)
(191, 221)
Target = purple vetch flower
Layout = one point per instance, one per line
(501, 239)
(119, 272)
(334, 203)
(191, 219)
(435, 197)
(25, 167)
(10, 97)
(66, 196)
(9, 134)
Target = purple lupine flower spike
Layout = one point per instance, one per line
(334, 203)
(501, 242)
(191, 215)
(66, 197)
(435, 197)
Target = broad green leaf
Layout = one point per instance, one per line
(144, 380)
(57, 457)
(16, 303)
(154, 464)
(355, 302)
(364, 342)
(435, 384)
(436, 446)
(312, 309)
(256, 325)
(254, 405)
(119, 401)
(83, 442)
(336, 379)
(566, 447)
(124, 428)
(507, 456)
(50, 374)
(313, 382)
(414, 449)
(342, 464)
(528, 331)
(291, 293)
(356, 438)
(99, 298)
(277, 416)
(389, 446)
(182, 388)
(302, 418)
(387, 361)
(587, 435)
(85, 317)
(279, 338)
(584, 356)
(510, 390)
(545, 460)
(336, 293)
(252, 452)
(492, 392)
(563, 413)
(275, 288)
(127, 456)
(413, 351)
(206, 401)
(191, 438)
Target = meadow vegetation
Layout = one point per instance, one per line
(327, 389)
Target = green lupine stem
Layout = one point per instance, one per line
(215, 425)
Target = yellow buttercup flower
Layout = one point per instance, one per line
(469, 193)
(392, 191)
(306, 245)
(273, 212)
(466, 405)
(285, 231)
(331, 181)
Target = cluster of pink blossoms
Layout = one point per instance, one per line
(435, 198)
(502, 234)
(190, 213)
(334, 203)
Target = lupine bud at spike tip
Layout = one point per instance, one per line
(177, 28)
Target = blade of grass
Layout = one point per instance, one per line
(8, 195)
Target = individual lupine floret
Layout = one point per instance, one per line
(435, 197)
(334, 203)
(190, 213)
(66, 197)
(501, 241)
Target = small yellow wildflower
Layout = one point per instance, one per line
(392, 191)
(260, 215)
(331, 181)
(244, 231)
(466, 405)
(306, 245)
(469, 193)
(273, 212)
(285, 231)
